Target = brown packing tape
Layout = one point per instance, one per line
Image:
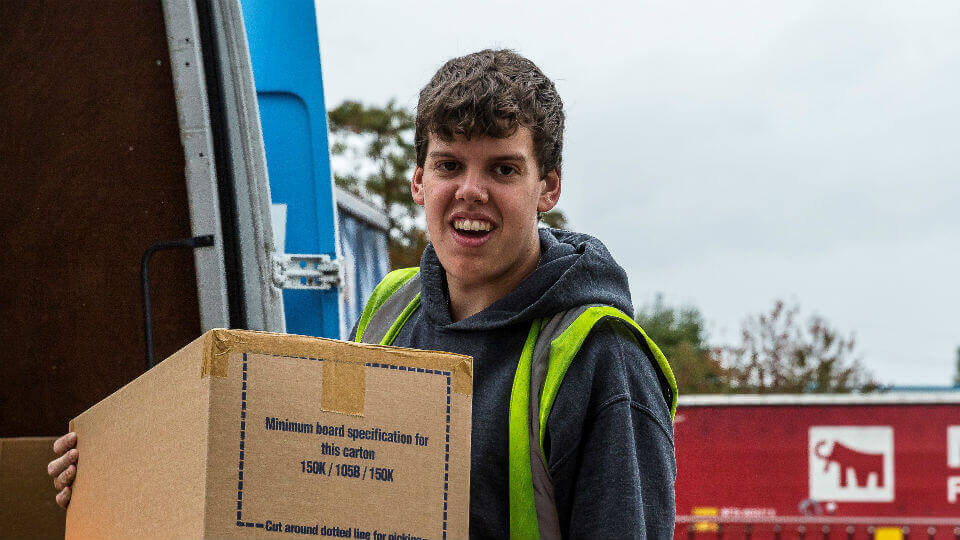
(220, 343)
(460, 366)
(217, 346)
(343, 387)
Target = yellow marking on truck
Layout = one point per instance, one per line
(888, 533)
(705, 526)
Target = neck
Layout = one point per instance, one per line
(468, 299)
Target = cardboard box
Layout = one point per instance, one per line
(251, 434)
(27, 505)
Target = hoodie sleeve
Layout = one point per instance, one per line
(610, 443)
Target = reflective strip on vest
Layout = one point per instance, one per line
(389, 307)
(548, 351)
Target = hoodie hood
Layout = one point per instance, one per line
(575, 269)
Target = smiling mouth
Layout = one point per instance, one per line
(472, 228)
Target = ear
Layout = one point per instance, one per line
(416, 185)
(549, 191)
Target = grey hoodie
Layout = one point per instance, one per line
(609, 439)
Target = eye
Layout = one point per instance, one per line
(505, 170)
(447, 166)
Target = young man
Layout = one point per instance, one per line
(489, 135)
(491, 285)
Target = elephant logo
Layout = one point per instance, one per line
(851, 463)
(860, 464)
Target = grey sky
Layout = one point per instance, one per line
(732, 153)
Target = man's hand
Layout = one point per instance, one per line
(64, 468)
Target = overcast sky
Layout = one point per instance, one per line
(732, 153)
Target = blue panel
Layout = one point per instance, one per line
(352, 297)
(286, 134)
(286, 69)
(364, 250)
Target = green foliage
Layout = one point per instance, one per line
(777, 354)
(554, 218)
(956, 376)
(386, 133)
(680, 335)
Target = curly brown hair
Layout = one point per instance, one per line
(492, 93)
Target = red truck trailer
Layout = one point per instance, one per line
(883, 466)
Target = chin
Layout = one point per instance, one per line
(467, 269)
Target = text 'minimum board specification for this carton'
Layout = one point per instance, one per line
(323, 466)
(342, 457)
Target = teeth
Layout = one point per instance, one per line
(472, 225)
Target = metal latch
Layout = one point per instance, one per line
(316, 272)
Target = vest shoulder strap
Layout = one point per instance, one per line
(565, 345)
(547, 354)
(397, 293)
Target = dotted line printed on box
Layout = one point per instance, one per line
(243, 423)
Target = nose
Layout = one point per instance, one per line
(472, 188)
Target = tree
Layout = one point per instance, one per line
(554, 218)
(956, 376)
(376, 146)
(680, 335)
(779, 355)
(382, 170)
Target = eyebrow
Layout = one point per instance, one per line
(502, 157)
(509, 157)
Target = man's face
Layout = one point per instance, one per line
(481, 198)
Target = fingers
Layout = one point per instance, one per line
(63, 469)
(57, 466)
(65, 443)
(63, 498)
(65, 478)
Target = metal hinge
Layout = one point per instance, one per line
(316, 272)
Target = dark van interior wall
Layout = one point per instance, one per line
(92, 174)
